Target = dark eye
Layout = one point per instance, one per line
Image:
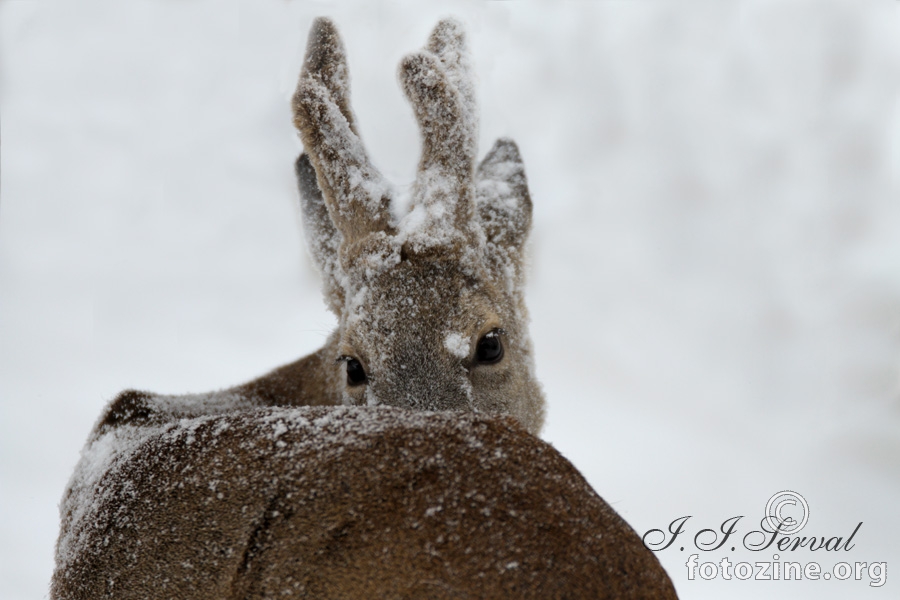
(490, 348)
(355, 373)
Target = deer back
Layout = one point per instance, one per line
(333, 502)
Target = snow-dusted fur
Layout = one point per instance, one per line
(415, 294)
(342, 502)
(253, 492)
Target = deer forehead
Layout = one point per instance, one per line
(425, 305)
(399, 324)
(383, 254)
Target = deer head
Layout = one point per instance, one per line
(430, 304)
(240, 493)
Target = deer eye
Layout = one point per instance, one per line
(356, 375)
(490, 348)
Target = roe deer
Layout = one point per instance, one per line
(341, 502)
(430, 306)
(255, 492)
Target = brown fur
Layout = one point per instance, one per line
(401, 291)
(267, 490)
(349, 503)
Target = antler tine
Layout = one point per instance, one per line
(356, 194)
(326, 63)
(438, 83)
(448, 42)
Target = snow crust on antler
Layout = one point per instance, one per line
(479, 216)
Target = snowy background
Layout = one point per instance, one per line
(715, 280)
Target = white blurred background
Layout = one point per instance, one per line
(715, 282)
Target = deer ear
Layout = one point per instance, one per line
(504, 206)
(323, 237)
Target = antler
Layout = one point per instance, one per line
(356, 194)
(438, 83)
